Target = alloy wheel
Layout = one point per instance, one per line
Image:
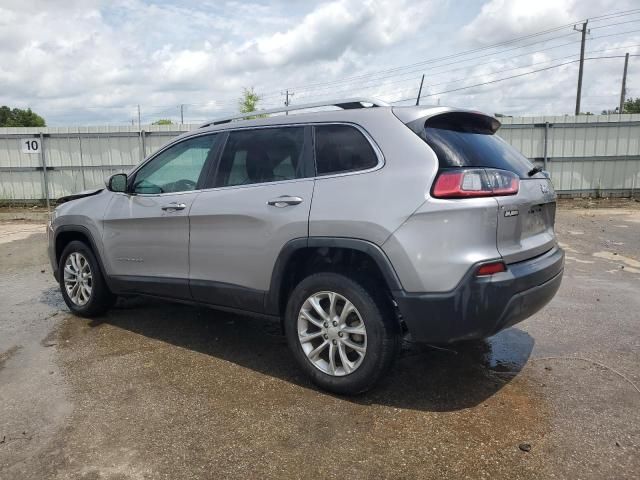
(78, 281)
(332, 333)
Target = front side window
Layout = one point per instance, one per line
(342, 148)
(178, 168)
(262, 155)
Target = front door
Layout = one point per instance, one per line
(146, 231)
(260, 201)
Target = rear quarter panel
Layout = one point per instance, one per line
(435, 248)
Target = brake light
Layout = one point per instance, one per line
(491, 268)
(475, 182)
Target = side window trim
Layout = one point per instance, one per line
(376, 149)
(212, 169)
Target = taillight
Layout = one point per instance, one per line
(491, 268)
(475, 182)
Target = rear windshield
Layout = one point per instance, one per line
(456, 148)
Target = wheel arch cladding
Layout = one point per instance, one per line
(66, 234)
(303, 256)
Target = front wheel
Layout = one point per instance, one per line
(343, 335)
(81, 281)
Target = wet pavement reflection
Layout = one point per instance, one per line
(425, 377)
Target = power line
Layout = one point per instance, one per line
(510, 77)
(616, 24)
(415, 79)
(331, 84)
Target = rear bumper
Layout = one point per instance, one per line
(482, 306)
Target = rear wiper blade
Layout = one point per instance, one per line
(533, 171)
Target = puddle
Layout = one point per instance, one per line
(508, 351)
(52, 298)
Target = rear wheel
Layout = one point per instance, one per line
(342, 335)
(81, 281)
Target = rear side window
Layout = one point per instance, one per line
(464, 146)
(342, 148)
(262, 155)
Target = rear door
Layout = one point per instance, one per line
(259, 200)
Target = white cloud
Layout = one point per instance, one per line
(95, 60)
(501, 20)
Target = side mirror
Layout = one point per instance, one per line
(117, 183)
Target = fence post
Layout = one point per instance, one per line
(546, 144)
(45, 175)
(143, 148)
(84, 181)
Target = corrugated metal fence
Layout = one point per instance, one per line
(586, 155)
(70, 160)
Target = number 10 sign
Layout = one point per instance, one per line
(30, 145)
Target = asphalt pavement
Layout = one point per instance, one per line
(158, 390)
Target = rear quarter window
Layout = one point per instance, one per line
(342, 148)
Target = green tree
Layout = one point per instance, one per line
(18, 117)
(163, 121)
(632, 105)
(248, 102)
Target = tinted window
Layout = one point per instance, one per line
(465, 149)
(341, 148)
(262, 155)
(178, 168)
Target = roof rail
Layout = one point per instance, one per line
(346, 104)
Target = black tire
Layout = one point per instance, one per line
(101, 298)
(383, 332)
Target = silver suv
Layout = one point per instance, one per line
(354, 227)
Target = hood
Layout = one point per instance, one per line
(74, 196)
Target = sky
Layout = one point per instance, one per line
(92, 62)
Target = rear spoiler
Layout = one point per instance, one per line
(417, 118)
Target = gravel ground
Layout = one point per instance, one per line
(155, 390)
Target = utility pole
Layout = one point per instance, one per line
(138, 116)
(420, 90)
(181, 114)
(287, 102)
(584, 32)
(623, 92)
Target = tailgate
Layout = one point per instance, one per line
(525, 221)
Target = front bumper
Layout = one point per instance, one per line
(51, 249)
(482, 306)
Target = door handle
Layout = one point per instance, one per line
(284, 201)
(173, 206)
